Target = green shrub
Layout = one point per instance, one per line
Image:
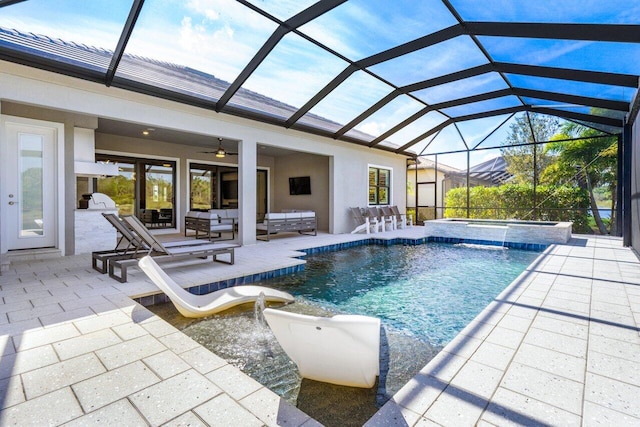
(515, 201)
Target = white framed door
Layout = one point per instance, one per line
(28, 184)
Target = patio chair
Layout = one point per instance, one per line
(402, 218)
(129, 245)
(190, 305)
(161, 252)
(364, 223)
(386, 222)
(391, 217)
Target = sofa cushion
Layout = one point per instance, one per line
(208, 215)
(232, 213)
(274, 216)
(216, 227)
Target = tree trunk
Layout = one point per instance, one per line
(594, 207)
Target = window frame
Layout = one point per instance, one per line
(377, 187)
(138, 163)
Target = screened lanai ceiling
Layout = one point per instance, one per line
(394, 75)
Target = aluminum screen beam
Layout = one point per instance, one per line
(530, 93)
(403, 49)
(446, 123)
(337, 81)
(627, 80)
(292, 23)
(571, 115)
(573, 99)
(593, 32)
(134, 13)
(549, 111)
(371, 110)
(4, 3)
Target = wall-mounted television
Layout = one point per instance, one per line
(299, 185)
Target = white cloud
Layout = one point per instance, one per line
(372, 128)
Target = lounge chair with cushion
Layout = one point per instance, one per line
(129, 245)
(162, 253)
(190, 305)
(364, 223)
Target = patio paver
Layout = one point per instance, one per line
(559, 346)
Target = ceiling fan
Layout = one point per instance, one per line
(220, 152)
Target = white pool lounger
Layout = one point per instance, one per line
(190, 305)
(343, 349)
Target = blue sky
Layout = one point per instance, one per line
(220, 36)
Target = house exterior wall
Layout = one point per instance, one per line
(303, 164)
(72, 101)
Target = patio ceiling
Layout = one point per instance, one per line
(388, 75)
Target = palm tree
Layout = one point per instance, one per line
(590, 158)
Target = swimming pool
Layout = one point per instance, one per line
(424, 295)
(429, 291)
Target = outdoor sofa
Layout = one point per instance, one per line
(211, 223)
(288, 222)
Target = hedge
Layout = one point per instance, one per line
(515, 201)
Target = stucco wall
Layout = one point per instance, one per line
(347, 163)
(303, 164)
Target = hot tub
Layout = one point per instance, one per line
(505, 231)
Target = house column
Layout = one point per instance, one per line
(247, 187)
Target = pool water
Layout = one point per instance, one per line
(428, 291)
(424, 295)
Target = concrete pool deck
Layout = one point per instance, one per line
(559, 346)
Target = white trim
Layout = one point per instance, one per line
(59, 200)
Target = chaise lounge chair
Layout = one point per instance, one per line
(163, 253)
(364, 223)
(190, 305)
(129, 245)
(343, 349)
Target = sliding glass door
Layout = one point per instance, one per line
(143, 187)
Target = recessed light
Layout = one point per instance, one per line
(145, 132)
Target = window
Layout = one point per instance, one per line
(203, 187)
(143, 187)
(216, 187)
(379, 186)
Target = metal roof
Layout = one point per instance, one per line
(389, 75)
(493, 170)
